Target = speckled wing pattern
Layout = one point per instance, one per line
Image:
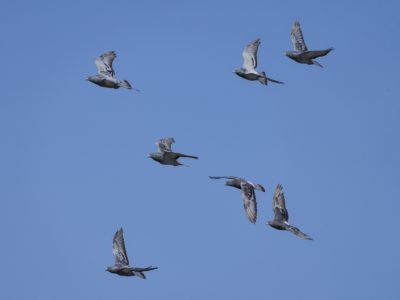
(164, 145)
(279, 205)
(297, 38)
(250, 55)
(104, 63)
(118, 248)
(298, 232)
(249, 201)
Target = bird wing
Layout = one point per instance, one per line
(317, 53)
(298, 232)
(164, 145)
(249, 201)
(104, 63)
(226, 177)
(297, 38)
(250, 55)
(118, 248)
(279, 204)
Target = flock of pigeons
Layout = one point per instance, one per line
(106, 78)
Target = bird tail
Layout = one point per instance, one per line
(264, 80)
(189, 156)
(124, 84)
(139, 271)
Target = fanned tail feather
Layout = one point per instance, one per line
(125, 84)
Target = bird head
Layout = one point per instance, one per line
(154, 156)
(289, 54)
(91, 78)
(239, 71)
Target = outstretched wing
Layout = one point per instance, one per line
(226, 177)
(250, 55)
(249, 201)
(279, 205)
(164, 145)
(118, 248)
(104, 63)
(298, 232)
(297, 38)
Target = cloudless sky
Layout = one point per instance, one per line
(74, 164)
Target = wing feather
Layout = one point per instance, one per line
(220, 177)
(279, 204)
(250, 55)
(164, 145)
(119, 249)
(104, 63)
(297, 38)
(249, 201)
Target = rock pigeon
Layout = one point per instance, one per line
(248, 194)
(281, 218)
(121, 265)
(248, 71)
(301, 53)
(106, 75)
(165, 155)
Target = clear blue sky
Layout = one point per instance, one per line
(74, 164)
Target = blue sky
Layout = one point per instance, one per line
(74, 155)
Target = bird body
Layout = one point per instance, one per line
(281, 218)
(248, 194)
(248, 70)
(121, 266)
(300, 53)
(105, 73)
(165, 155)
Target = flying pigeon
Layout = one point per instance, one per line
(121, 265)
(301, 53)
(105, 73)
(165, 155)
(248, 70)
(281, 218)
(248, 194)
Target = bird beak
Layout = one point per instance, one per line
(87, 78)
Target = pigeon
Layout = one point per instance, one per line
(248, 70)
(281, 218)
(105, 73)
(301, 53)
(248, 194)
(165, 155)
(121, 266)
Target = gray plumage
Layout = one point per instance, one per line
(248, 70)
(121, 265)
(281, 218)
(165, 155)
(248, 194)
(301, 54)
(105, 73)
